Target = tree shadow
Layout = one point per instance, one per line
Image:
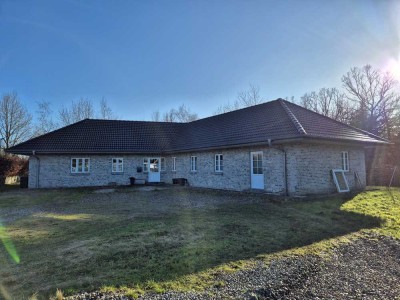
(192, 240)
(165, 243)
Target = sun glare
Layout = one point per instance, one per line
(394, 68)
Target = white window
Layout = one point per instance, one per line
(80, 165)
(340, 181)
(193, 163)
(219, 166)
(345, 161)
(117, 165)
(145, 165)
(174, 164)
(163, 165)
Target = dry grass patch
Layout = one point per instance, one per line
(174, 239)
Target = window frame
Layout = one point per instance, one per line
(117, 164)
(163, 164)
(258, 167)
(83, 160)
(173, 164)
(336, 181)
(218, 163)
(145, 165)
(193, 163)
(345, 161)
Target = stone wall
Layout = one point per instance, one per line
(55, 171)
(308, 169)
(236, 169)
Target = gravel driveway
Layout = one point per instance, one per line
(367, 268)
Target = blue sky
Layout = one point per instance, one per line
(147, 55)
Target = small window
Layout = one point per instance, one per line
(174, 164)
(145, 165)
(80, 165)
(257, 160)
(345, 161)
(117, 165)
(219, 166)
(163, 165)
(340, 181)
(193, 163)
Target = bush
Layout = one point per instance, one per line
(13, 165)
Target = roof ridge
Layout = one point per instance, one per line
(370, 134)
(134, 121)
(293, 118)
(234, 111)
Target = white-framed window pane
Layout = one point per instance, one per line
(218, 163)
(174, 164)
(145, 164)
(257, 163)
(345, 161)
(80, 165)
(73, 165)
(193, 163)
(117, 165)
(86, 165)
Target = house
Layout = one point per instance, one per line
(278, 147)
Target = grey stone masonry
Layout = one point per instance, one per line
(236, 169)
(55, 171)
(308, 169)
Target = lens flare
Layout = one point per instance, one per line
(4, 293)
(393, 67)
(8, 244)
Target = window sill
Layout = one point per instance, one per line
(218, 173)
(193, 172)
(117, 173)
(79, 174)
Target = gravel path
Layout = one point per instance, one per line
(368, 268)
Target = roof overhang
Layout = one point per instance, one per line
(267, 142)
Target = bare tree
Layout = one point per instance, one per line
(155, 116)
(182, 114)
(376, 97)
(83, 109)
(245, 98)
(106, 112)
(44, 121)
(15, 121)
(329, 102)
(227, 107)
(250, 97)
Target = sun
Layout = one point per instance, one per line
(393, 67)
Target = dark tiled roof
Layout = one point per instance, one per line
(276, 120)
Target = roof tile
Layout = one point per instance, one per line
(275, 120)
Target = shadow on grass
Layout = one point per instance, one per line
(145, 242)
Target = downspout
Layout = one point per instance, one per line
(285, 164)
(37, 169)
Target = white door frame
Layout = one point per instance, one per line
(256, 171)
(154, 169)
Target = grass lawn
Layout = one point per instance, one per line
(167, 239)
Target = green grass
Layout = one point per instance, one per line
(157, 241)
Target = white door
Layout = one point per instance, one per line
(257, 174)
(154, 170)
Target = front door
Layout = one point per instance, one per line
(154, 170)
(257, 173)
